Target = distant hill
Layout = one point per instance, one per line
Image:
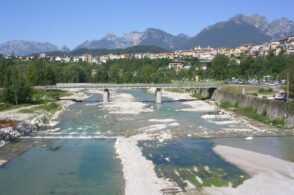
(21, 47)
(97, 52)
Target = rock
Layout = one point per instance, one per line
(25, 127)
(8, 134)
(54, 147)
(40, 121)
(2, 143)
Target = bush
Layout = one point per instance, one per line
(226, 105)
(4, 106)
(264, 90)
(49, 107)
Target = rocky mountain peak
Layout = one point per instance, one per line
(110, 37)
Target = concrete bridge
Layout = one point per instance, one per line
(107, 87)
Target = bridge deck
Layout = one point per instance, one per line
(129, 86)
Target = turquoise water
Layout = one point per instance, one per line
(90, 166)
(183, 159)
(76, 167)
(88, 117)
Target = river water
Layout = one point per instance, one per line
(80, 158)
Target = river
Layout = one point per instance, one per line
(79, 157)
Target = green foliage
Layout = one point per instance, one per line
(219, 66)
(252, 113)
(290, 72)
(49, 107)
(264, 90)
(226, 104)
(16, 89)
(17, 77)
(5, 106)
(42, 96)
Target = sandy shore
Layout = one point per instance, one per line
(139, 173)
(270, 175)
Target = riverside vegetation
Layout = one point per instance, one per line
(18, 77)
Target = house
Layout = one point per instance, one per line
(176, 66)
(96, 60)
(58, 59)
(42, 55)
(66, 59)
(86, 58)
(76, 59)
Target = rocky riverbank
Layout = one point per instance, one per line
(27, 123)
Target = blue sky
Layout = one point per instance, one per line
(71, 22)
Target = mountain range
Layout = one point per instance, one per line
(238, 30)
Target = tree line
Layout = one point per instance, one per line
(17, 76)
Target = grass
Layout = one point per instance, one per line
(49, 107)
(42, 96)
(253, 114)
(5, 106)
(215, 176)
(248, 89)
(44, 99)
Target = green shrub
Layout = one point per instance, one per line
(278, 122)
(226, 104)
(5, 106)
(264, 90)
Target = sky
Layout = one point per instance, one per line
(71, 22)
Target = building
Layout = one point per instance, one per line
(58, 59)
(66, 59)
(42, 55)
(176, 66)
(96, 60)
(288, 44)
(86, 58)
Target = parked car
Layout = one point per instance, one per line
(280, 96)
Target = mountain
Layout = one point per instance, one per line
(276, 29)
(280, 28)
(231, 33)
(65, 49)
(151, 36)
(238, 30)
(242, 29)
(21, 47)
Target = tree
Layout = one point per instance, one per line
(113, 73)
(16, 89)
(290, 74)
(147, 74)
(219, 66)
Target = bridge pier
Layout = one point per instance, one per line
(158, 95)
(106, 95)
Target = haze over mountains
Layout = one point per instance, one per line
(236, 31)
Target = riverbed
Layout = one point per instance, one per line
(134, 146)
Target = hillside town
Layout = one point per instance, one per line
(204, 54)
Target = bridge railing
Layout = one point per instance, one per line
(135, 85)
